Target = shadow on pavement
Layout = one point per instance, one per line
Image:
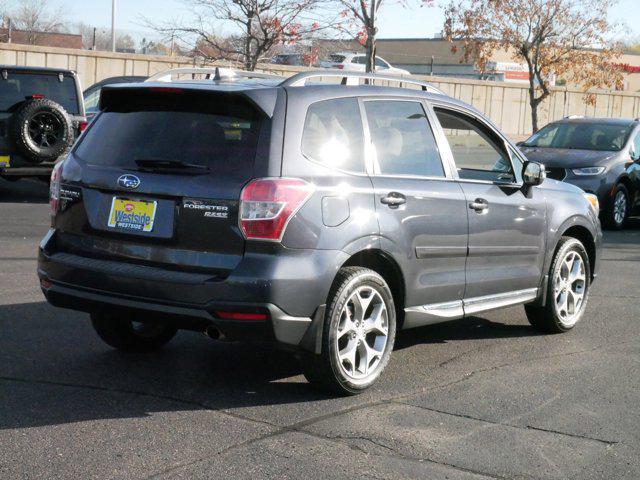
(24, 191)
(54, 369)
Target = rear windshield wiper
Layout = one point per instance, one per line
(158, 164)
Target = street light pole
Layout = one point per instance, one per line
(113, 25)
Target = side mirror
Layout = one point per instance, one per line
(520, 143)
(533, 173)
(635, 156)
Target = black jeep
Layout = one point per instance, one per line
(41, 115)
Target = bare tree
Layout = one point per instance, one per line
(257, 26)
(567, 38)
(36, 17)
(360, 17)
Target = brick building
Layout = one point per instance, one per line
(44, 39)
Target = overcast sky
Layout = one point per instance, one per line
(395, 21)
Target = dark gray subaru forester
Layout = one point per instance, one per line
(325, 217)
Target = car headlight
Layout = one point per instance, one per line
(594, 202)
(588, 171)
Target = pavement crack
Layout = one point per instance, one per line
(609, 443)
(139, 393)
(358, 437)
(510, 425)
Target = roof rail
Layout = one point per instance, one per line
(568, 117)
(300, 79)
(215, 74)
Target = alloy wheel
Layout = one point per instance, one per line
(570, 284)
(620, 207)
(363, 332)
(45, 129)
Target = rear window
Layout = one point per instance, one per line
(19, 86)
(337, 58)
(216, 131)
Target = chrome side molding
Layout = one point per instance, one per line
(434, 313)
(441, 312)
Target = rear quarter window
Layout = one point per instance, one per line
(19, 86)
(333, 135)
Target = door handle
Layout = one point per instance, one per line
(479, 205)
(393, 200)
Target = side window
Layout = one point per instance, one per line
(360, 59)
(402, 138)
(333, 134)
(636, 145)
(92, 100)
(476, 151)
(381, 63)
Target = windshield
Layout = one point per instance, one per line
(19, 86)
(581, 136)
(220, 134)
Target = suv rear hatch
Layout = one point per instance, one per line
(157, 179)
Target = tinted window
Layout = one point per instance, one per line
(91, 100)
(381, 63)
(19, 86)
(360, 59)
(333, 134)
(476, 150)
(402, 138)
(581, 136)
(213, 131)
(636, 145)
(337, 58)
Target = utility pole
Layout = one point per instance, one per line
(113, 25)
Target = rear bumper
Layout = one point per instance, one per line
(290, 287)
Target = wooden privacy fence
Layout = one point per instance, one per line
(505, 103)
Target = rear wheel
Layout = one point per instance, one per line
(567, 292)
(358, 334)
(619, 208)
(131, 336)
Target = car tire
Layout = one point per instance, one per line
(129, 336)
(618, 211)
(567, 289)
(357, 336)
(42, 130)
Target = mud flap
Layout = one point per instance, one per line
(312, 340)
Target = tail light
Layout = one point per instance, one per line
(82, 126)
(340, 66)
(54, 190)
(267, 205)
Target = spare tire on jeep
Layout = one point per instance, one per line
(42, 130)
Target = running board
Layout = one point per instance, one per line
(442, 312)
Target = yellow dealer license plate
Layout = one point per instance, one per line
(133, 215)
(5, 161)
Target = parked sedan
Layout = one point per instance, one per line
(357, 62)
(599, 155)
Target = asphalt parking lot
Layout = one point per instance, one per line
(485, 397)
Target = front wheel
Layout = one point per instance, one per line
(567, 292)
(130, 336)
(358, 333)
